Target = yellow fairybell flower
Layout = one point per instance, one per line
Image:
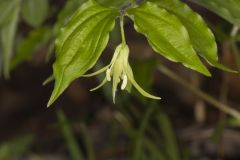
(119, 71)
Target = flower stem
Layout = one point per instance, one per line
(223, 107)
(122, 29)
(234, 31)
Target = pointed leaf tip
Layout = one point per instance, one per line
(81, 44)
(173, 41)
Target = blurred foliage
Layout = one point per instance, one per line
(16, 147)
(35, 12)
(228, 9)
(68, 134)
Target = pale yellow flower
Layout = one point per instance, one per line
(119, 71)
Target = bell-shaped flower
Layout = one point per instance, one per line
(119, 71)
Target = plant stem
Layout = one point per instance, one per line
(88, 142)
(122, 29)
(234, 31)
(147, 143)
(235, 53)
(235, 50)
(169, 138)
(203, 95)
(140, 133)
(70, 139)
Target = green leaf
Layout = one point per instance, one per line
(72, 5)
(6, 8)
(80, 44)
(8, 31)
(113, 3)
(34, 12)
(201, 36)
(166, 35)
(63, 17)
(35, 40)
(227, 9)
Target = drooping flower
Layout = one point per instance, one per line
(119, 71)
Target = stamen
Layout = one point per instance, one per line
(108, 75)
(124, 83)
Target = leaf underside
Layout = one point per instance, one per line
(80, 44)
(201, 36)
(166, 35)
(227, 9)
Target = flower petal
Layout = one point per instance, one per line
(96, 73)
(116, 53)
(100, 85)
(108, 75)
(48, 80)
(124, 82)
(134, 83)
